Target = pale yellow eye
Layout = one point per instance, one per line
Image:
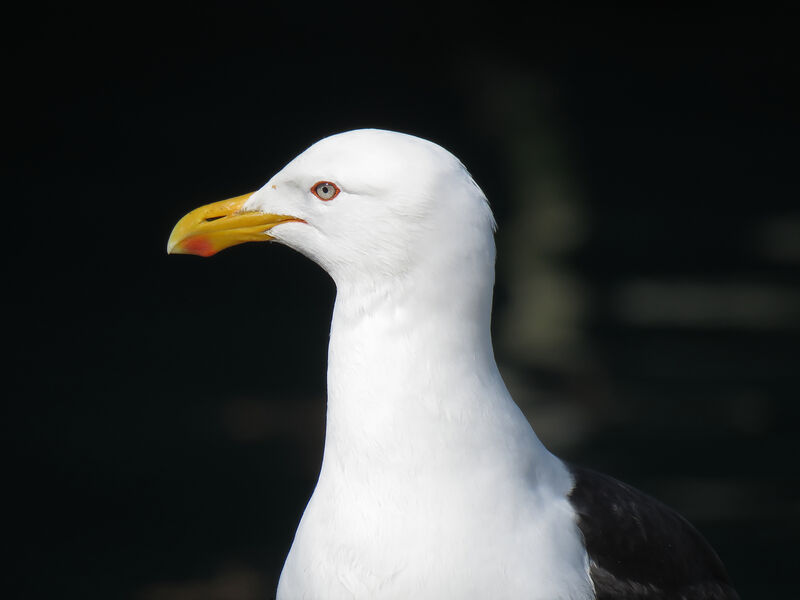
(325, 190)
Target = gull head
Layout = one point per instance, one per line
(366, 205)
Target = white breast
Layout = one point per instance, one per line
(475, 537)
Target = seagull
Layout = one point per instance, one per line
(433, 483)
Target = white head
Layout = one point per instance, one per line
(369, 206)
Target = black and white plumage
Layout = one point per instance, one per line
(641, 549)
(433, 484)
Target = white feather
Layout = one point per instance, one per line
(433, 484)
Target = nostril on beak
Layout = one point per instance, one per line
(209, 219)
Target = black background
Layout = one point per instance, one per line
(164, 415)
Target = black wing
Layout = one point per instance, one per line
(640, 549)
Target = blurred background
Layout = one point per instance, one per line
(164, 416)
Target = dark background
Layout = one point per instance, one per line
(164, 416)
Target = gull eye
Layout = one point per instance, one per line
(325, 190)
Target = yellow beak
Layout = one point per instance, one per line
(214, 227)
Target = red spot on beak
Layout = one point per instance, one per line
(198, 244)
